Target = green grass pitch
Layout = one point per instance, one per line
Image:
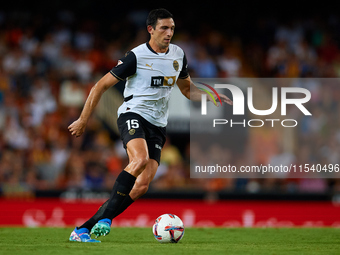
(44, 241)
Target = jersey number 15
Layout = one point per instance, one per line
(132, 124)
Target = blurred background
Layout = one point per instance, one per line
(51, 54)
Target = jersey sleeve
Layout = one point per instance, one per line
(125, 67)
(184, 72)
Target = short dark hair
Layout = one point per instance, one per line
(157, 14)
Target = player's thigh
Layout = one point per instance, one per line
(138, 156)
(137, 149)
(132, 133)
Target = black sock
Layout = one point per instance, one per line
(120, 191)
(125, 204)
(127, 201)
(94, 219)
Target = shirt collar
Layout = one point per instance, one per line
(149, 47)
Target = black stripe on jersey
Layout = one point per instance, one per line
(126, 66)
(184, 72)
(126, 99)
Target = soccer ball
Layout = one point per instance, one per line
(168, 228)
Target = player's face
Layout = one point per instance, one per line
(163, 32)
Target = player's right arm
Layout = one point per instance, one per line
(125, 67)
(77, 128)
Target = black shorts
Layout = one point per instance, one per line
(131, 125)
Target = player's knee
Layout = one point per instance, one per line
(140, 163)
(142, 189)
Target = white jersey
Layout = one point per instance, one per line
(150, 78)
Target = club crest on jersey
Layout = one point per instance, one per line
(175, 65)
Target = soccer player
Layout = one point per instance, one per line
(151, 70)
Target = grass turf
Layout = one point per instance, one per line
(43, 241)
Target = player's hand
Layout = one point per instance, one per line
(77, 128)
(223, 97)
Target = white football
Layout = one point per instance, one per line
(168, 228)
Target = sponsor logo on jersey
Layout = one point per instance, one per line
(149, 65)
(169, 80)
(157, 146)
(158, 81)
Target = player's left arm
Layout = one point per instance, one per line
(190, 91)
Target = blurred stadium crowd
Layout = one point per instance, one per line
(49, 64)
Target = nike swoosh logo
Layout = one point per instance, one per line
(149, 65)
